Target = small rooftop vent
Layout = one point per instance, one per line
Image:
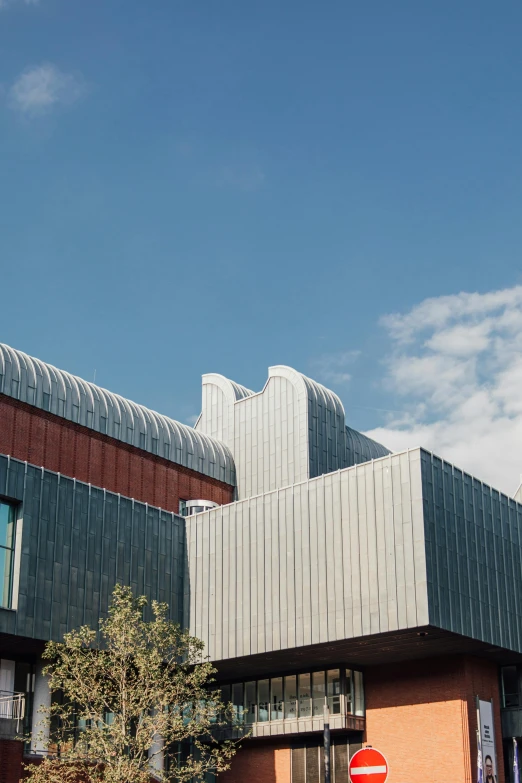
(190, 507)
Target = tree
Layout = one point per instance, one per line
(129, 696)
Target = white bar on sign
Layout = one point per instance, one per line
(368, 770)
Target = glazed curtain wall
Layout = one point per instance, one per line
(77, 541)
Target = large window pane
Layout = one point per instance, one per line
(250, 702)
(358, 693)
(333, 691)
(304, 696)
(276, 712)
(291, 697)
(7, 517)
(318, 693)
(6, 567)
(237, 701)
(263, 700)
(349, 692)
(510, 686)
(225, 698)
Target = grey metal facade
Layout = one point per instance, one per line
(401, 542)
(77, 541)
(294, 429)
(473, 555)
(335, 557)
(44, 386)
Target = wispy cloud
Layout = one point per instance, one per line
(457, 362)
(41, 88)
(7, 3)
(335, 368)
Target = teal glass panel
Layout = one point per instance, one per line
(6, 568)
(7, 518)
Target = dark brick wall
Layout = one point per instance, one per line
(44, 439)
(10, 761)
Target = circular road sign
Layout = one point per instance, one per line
(368, 766)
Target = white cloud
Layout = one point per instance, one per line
(334, 368)
(40, 88)
(457, 361)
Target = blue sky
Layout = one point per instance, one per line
(197, 186)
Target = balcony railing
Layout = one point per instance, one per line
(12, 706)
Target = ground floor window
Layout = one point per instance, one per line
(308, 760)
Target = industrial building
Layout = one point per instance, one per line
(316, 566)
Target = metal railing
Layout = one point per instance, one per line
(12, 706)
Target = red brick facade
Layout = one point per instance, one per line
(422, 716)
(42, 438)
(260, 762)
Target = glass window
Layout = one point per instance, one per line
(116, 429)
(166, 450)
(46, 401)
(130, 435)
(349, 692)
(358, 693)
(142, 440)
(250, 702)
(75, 413)
(263, 700)
(103, 424)
(304, 696)
(318, 693)
(510, 686)
(182, 508)
(155, 443)
(291, 697)
(276, 712)
(237, 701)
(225, 698)
(7, 542)
(333, 691)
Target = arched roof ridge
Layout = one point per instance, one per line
(214, 458)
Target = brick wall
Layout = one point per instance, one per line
(422, 716)
(260, 762)
(42, 438)
(10, 761)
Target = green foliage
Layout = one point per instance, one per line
(144, 688)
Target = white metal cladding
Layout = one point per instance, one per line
(335, 557)
(292, 430)
(36, 383)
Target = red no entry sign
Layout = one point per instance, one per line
(368, 766)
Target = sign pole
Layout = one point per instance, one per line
(326, 735)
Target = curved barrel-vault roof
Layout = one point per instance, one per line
(293, 429)
(34, 382)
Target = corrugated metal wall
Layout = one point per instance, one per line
(77, 542)
(474, 555)
(335, 557)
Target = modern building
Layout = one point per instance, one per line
(318, 568)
